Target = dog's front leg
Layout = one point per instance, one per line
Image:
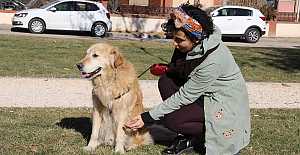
(120, 134)
(94, 140)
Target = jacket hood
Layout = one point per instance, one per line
(213, 40)
(208, 43)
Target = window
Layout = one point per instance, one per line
(234, 12)
(222, 12)
(91, 7)
(82, 6)
(243, 12)
(231, 12)
(227, 12)
(65, 6)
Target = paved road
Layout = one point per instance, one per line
(263, 42)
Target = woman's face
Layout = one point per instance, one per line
(182, 42)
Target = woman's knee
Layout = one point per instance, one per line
(166, 87)
(187, 128)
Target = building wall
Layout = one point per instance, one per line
(139, 2)
(170, 3)
(286, 6)
(176, 3)
(124, 2)
(156, 3)
(217, 2)
(207, 3)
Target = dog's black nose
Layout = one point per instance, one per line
(79, 66)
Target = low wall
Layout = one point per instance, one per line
(287, 30)
(136, 24)
(5, 18)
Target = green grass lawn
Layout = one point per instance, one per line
(48, 57)
(65, 131)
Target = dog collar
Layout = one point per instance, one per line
(119, 96)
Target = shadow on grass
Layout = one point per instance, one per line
(56, 32)
(233, 39)
(284, 59)
(82, 125)
(297, 47)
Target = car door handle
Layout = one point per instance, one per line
(229, 19)
(249, 19)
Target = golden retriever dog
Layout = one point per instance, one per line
(116, 99)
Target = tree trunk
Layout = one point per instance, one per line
(113, 5)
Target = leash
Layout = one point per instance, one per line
(200, 60)
(144, 50)
(144, 71)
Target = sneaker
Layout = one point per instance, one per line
(180, 145)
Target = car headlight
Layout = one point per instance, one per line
(21, 14)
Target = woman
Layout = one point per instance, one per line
(203, 90)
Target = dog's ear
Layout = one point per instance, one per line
(118, 58)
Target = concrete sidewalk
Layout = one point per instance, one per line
(59, 92)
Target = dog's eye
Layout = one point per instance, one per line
(95, 55)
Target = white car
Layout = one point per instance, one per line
(238, 21)
(77, 15)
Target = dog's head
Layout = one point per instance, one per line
(99, 57)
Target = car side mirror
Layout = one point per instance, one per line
(53, 9)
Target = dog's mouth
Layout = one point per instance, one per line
(89, 75)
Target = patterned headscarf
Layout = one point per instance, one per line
(182, 20)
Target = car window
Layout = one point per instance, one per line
(83, 6)
(243, 12)
(227, 12)
(49, 4)
(80, 6)
(65, 6)
(91, 7)
(222, 12)
(231, 11)
(234, 12)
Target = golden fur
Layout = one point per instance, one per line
(116, 99)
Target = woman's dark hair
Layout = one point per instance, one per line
(197, 14)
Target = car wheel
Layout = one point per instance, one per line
(99, 29)
(36, 26)
(252, 35)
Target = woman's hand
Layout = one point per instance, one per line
(135, 123)
(158, 69)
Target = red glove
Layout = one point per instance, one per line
(158, 69)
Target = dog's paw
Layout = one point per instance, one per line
(129, 131)
(89, 148)
(120, 150)
(132, 146)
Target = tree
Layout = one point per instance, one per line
(268, 10)
(113, 5)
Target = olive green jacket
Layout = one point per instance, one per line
(226, 105)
